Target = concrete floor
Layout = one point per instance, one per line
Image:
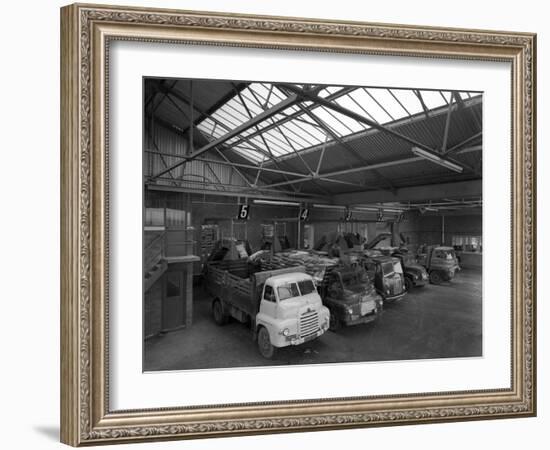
(430, 322)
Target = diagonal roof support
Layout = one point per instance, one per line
(344, 144)
(294, 115)
(359, 118)
(236, 131)
(366, 168)
(464, 142)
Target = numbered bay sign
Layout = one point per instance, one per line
(244, 211)
(380, 215)
(347, 217)
(304, 214)
(400, 217)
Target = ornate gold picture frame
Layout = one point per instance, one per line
(86, 34)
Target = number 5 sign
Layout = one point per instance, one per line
(244, 211)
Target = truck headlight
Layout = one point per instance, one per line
(387, 291)
(286, 332)
(349, 310)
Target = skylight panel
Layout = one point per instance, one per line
(278, 137)
(296, 129)
(347, 124)
(251, 103)
(261, 94)
(274, 142)
(447, 95)
(292, 109)
(432, 99)
(348, 102)
(249, 154)
(464, 95)
(311, 132)
(369, 103)
(206, 126)
(329, 90)
(297, 135)
(225, 119)
(292, 139)
(389, 103)
(331, 122)
(409, 100)
(277, 95)
(211, 129)
(237, 109)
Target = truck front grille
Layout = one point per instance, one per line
(309, 323)
(395, 286)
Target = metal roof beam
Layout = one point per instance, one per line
(464, 142)
(340, 109)
(365, 168)
(294, 115)
(412, 193)
(242, 193)
(235, 132)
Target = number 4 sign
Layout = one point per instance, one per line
(244, 211)
(304, 214)
(347, 216)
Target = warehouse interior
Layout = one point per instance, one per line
(249, 166)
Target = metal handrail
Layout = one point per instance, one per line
(151, 258)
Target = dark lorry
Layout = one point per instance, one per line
(346, 291)
(440, 262)
(415, 274)
(350, 296)
(387, 274)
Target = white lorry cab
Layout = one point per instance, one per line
(282, 306)
(291, 310)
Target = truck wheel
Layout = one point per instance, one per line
(335, 324)
(435, 277)
(265, 346)
(408, 284)
(217, 311)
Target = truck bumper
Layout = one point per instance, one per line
(357, 320)
(310, 337)
(449, 275)
(295, 340)
(394, 298)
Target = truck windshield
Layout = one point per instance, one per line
(409, 259)
(288, 291)
(388, 268)
(445, 254)
(397, 267)
(306, 287)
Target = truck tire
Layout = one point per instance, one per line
(217, 312)
(435, 277)
(408, 284)
(266, 348)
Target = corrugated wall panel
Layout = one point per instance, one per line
(196, 174)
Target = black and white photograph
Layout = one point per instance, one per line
(295, 224)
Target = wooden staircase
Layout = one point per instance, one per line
(154, 261)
